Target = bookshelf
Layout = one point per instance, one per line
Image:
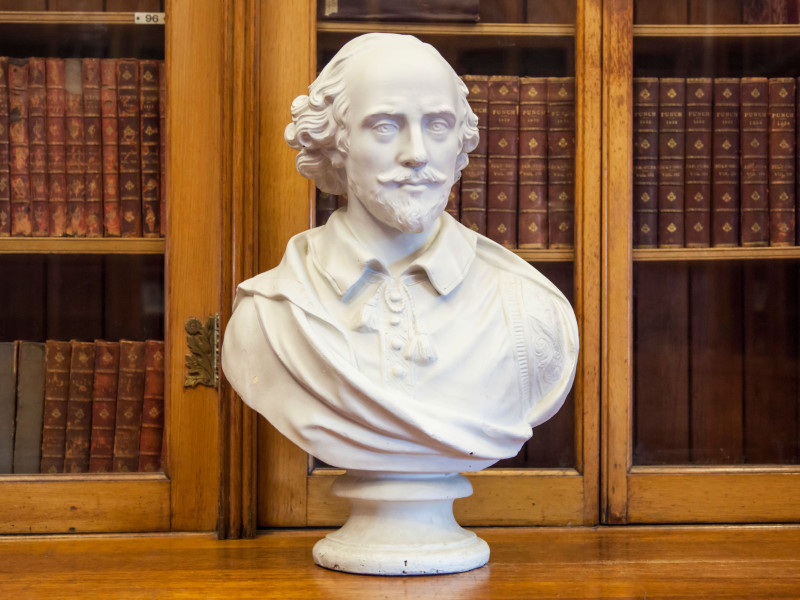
(133, 288)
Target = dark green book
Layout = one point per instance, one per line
(8, 384)
(30, 404)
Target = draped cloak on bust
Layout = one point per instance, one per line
(444, 368)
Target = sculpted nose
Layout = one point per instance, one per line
(413, 154)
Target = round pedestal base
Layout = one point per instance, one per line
(401, 524)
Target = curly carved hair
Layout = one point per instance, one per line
(319, 124)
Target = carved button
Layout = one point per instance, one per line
(395, 296)
(398, 371)
(395, 320)
(396, 342)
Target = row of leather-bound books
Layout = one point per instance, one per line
(518, 188)
(81, 147)
(84, 5)
(715, 162)
(77, 407)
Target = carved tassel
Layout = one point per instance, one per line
(421, 350)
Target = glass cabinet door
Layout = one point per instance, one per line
(531, 186)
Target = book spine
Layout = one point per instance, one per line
(725, 163)
(56, 148)
(474, 175)
(129, 153)
(697, 189)
(151, 443)
(645, 162)
(452, 207)
(8, 404)
(56, 394)
(782, 139)
(5, 179)
(110, 135)
(79, 408)
(532, 232)
(503, 120)
(561, 161)
(671, 156)
(104, 406)
(130, 395)
(162, 119)
(75, 145)
(30, 406)
(753, 190)
(756, 12)
(326, 204)
(37, 132)
(18, 147)
(90, 68)
(150, 146)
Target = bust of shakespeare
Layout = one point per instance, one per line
(393, 339)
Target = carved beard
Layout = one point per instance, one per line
(406, 211)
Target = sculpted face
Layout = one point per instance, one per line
(403, 135)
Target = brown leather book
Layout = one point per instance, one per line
(725, 163)
(56, 394)
(133, 6)
(390, 10)
(501, 217)
(30, 405)
(94, 146)
(130, 395)
(56, 148)
(697, 188)
(753, 190)
(660, 12)
(37, 134)
(532, 229)
(150, 447)
(8, 404)
(671, 157)
(150, 147)
(502, 11)
(474, 175)
(326, 204)
(560, 162)
(109, 138)
(104, 406)
(452, 200)
(5, 181)
(76, 5)
(79, 408)
(18, 147)
(715, 12)
(782, 139)
(756, 12)
(645, 162)
(162, 118)
(551, 11)
(26, 5)
(129, 153)
(75, 145)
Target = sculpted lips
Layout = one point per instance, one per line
(417, 179)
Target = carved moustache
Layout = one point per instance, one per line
(401, 176)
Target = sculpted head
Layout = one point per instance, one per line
(388, 122)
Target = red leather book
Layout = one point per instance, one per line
(150, 446)
(90, 68)
(474, 175)
(532, 231)
(130, 395)
(561, 161)
(129, 153)
(56, 394)
(75, 145)
(452, 200)
(18, 147)
(162, 119)
(725, 163)
(110, 134)
(79, 408)
(56, 148)
(5, 182)
(753, 190)
(671, 157)
(782, 139)
(645, 162)
(104, 406)
(503, 120)
(37, 134)
(697, 188)
(150, 146)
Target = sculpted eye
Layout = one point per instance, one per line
(385, 128)
(438, 126)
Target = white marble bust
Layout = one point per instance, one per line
(393, 338)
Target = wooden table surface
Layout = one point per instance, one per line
(609, 562)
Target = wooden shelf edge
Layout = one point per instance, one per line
(33, 245)
(535, 255)
(68, 18)
(455, 29)
(696, 254)
(716, 31)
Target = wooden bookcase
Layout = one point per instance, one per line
(186, 281)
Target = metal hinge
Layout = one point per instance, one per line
(202, 364)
